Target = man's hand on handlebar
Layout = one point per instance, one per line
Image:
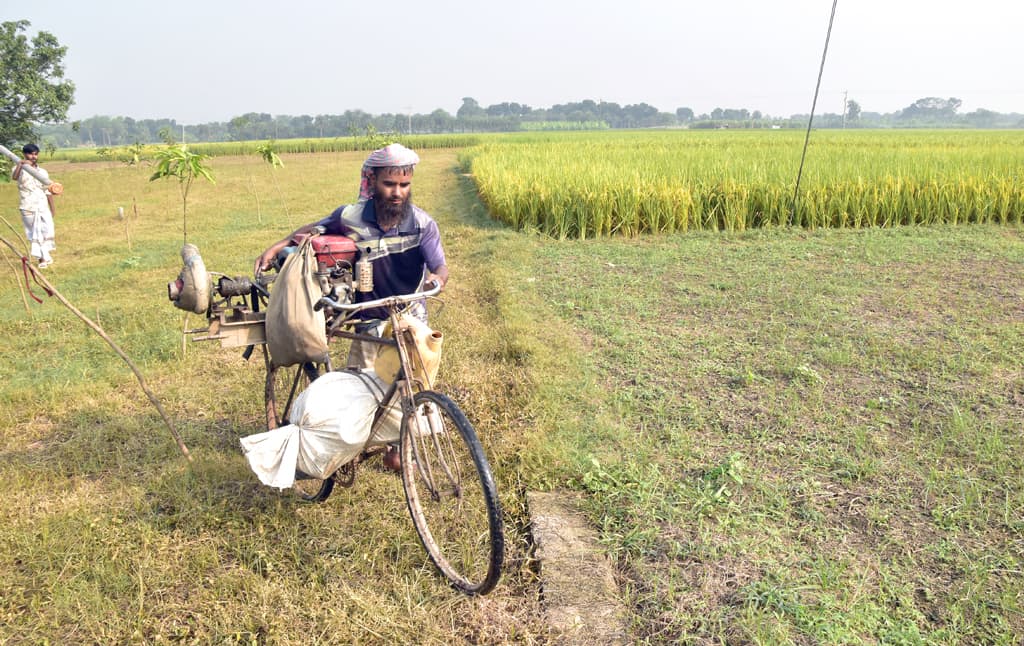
(439, 276)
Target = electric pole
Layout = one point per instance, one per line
(844, 109)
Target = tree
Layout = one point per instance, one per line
(238, 126)
(470, 108)
(441, 121)
(852, 110)
(185, 166)
(982, 118)
(931, 109)
(32, 86)
(640, 115)
(684, 115)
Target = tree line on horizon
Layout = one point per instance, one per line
(36, 98)
(930, 112)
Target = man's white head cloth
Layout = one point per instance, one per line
(393, 155)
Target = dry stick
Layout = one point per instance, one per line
(127, 233)
(184, 335)
(14, 267)
(259, 213)
(280, 195)
(98, 330)
(17, 279)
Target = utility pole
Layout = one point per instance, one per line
(844, 109)
(409, 111)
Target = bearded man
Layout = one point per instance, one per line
(402, 240)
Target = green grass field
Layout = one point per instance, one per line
(784, 436)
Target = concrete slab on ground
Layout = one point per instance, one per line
(579, 593)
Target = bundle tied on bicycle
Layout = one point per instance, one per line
(330, 424)
(344, 413)
(296, 330)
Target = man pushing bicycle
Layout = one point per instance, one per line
(400, 241)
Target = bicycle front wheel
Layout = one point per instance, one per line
(284, 383)
(451, 494)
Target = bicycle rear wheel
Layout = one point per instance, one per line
(284, 383)
(451, 494)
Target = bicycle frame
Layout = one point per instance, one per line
(405, 379)
(449, 489)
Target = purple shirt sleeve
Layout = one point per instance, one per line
(430, 245)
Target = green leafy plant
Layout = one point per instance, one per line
(269, 154)
(372, 139)
(717, 485)
(133, 155)
(185, 166)
(167, 136)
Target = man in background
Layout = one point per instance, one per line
(36, 204)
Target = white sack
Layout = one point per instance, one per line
(388, 428)
(330, 424)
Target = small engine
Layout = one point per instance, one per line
(335, 259)
(235, 307)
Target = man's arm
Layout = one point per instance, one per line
(433, 254)
(51, 203)
(267, 257)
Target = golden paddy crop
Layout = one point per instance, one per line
(583, 185)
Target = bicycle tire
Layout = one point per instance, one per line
(451, 494)
(283, 385)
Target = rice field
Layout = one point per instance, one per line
(224, 148)
(586, 185)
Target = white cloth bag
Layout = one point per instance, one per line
(330, 424)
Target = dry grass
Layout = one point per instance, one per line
(108, 536)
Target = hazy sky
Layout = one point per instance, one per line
(212, 60)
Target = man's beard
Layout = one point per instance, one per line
(389, 214)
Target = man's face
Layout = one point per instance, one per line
(391, 192)
(393, 187)
(32, 157)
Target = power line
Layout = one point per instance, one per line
(810, 118)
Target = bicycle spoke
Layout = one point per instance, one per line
(451, 494)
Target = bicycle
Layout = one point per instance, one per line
(449, 488)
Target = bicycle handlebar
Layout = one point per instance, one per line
(389, 301)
